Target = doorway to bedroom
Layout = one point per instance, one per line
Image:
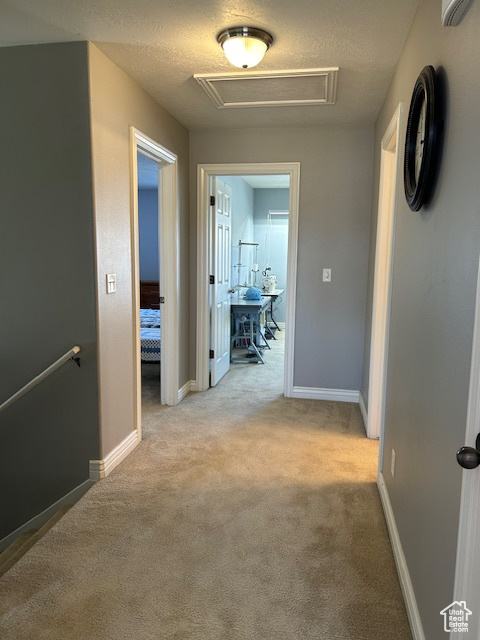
(154, 224)
(149, 252)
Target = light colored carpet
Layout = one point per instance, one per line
(243, 515)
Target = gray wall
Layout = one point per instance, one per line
(148, 234)
(335, 203)
(116, 104)
(273, 238)
(432, 313)
(47, 278)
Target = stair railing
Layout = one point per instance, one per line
(70, 355)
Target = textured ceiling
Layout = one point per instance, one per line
(162, 43)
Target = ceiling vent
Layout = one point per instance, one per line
(271, 88)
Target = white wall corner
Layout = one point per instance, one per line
(334, 395)
(402, 567)
(363, 410)
(101, 468)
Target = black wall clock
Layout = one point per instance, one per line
(422, 140)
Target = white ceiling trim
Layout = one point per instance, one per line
(325, 90)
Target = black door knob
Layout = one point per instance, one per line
(468, 457)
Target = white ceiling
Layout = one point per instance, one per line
(162, 43)
(268, 182)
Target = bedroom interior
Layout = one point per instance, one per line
(148, 227)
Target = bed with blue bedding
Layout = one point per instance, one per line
(150, 342)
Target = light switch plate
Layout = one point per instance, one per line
(111, 282)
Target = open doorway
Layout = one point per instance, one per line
(250, 213)
(258, 267)
(148, 156)
(149, 277)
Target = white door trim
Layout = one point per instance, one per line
(168, 259)
(467, 578)
(204, 235)
(387, 206)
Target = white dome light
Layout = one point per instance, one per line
(245, 46)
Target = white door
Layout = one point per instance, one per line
(467, 575)
(221, 270)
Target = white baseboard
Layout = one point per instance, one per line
(191, 385)
(363, 410)
(184, 391)
(39, 520)
(101, 468)
(335, 395)
(400, 561)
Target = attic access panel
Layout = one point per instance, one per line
(271, 88)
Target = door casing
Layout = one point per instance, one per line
(168, 221)
(387, 206)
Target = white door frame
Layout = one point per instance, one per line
(168, 260)
(387, 210)
(204, 240)
(467, 577)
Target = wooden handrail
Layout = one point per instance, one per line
(70, 355)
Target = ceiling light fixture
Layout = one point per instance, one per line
(245, 46)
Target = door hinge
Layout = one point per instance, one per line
(212, 354)
(162, 300)
(212, 201)
(212, 279)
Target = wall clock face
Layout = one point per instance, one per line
(422, 140)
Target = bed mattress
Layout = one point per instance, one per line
(150, 339)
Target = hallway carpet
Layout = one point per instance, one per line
(243, 515)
